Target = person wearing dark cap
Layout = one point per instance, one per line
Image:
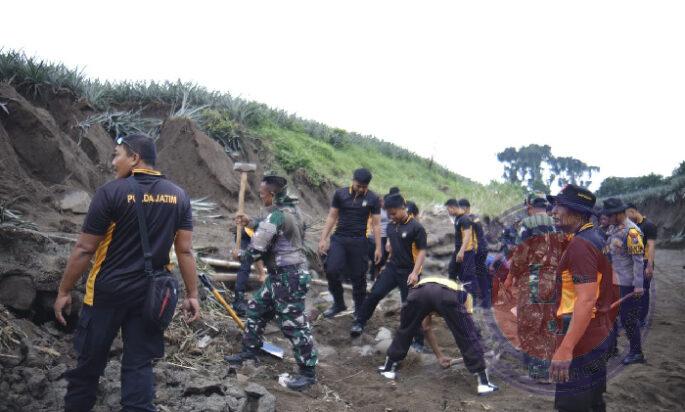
(407, 239)
(649, 233)
(533, 270)
(463, 263)
(278, 240)
(585, 292)
(346, 251)
(115, 290)
(626, 250)
(482, 275)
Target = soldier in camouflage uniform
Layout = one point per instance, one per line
(278, 241)
(533, 269)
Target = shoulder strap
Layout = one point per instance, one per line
(144, 238)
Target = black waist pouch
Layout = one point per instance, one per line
(161, 299)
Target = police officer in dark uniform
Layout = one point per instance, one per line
(407, 239)
(483, 278)
(116, 283)
(463, 263)
(350, 210)
(649, 234)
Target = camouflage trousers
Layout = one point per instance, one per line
(282, 297)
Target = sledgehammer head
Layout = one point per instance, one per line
(244, 167)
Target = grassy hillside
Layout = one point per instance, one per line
(323, 153)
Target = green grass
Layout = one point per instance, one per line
(324, 153)
(322, 161)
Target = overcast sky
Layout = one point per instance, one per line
(603, 81)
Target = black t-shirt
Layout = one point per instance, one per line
(649, 232)
(406, 240)
(462, 223)
(482, 244)
(354, 211)
(117, 276)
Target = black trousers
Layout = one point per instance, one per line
(587, 383)
(243, 273)
(347, 255)
(97, 328)
(390, 278)
(450, 304)
(484, 280)
(464, 271)
(644, 300)
(630, 318)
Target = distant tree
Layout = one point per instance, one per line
(613, 186)
(565, 170)
(526, 166)
(680, 170)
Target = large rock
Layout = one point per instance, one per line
(266, 402)
(17, 292)
(201, 386)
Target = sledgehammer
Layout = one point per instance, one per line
(244, 169)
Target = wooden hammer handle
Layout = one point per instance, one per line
(230, 310)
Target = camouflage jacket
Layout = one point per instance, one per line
(279, 238)
(626, 251)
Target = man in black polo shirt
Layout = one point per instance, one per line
(463, 263)
(116, 284)
(482, 277)
(351, 208)
(407, 239)
(649, 233)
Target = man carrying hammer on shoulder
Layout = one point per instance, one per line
(278, 241)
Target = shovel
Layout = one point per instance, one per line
(267, 347)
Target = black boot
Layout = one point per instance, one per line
(305, 379)
(334, 310)
(239, 304)
(389, 369)
(357, 329)
(240, 357)
(633, 357)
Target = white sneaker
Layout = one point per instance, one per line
(388, 369)
(484, 385)
(488, 388)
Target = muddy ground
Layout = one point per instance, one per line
(348, 381)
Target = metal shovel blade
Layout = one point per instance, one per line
(273, 350)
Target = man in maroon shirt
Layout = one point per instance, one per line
(585, 292)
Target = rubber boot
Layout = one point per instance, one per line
(305, 379)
